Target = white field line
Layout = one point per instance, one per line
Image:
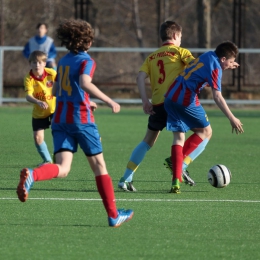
(142, 200)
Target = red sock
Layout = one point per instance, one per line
(191, 144)
(106, 191)
(45, 172)
(177, 158)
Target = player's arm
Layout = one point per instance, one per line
(29, 96)
(93, 105)
(140, 80)
(235, 65)
(26, 50)
(221, 103)
(89, 87)
(32, 99)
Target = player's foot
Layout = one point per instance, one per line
(175, 186)
(187, 179)
(126, 186)
(123, 216)
(42, 163)
(25, 184)
(185, 174)
(168, 164)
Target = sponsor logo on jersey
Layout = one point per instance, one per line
(161, 54)
(42, 96)
(49, 83)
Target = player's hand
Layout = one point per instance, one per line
(237, 126)
(148, 108)
(235, 65)
(115, 106)
(93, 105)
(42, 104)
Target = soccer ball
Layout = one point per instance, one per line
(219, 176)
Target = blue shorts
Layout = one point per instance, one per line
(66, 137)
(182, 119)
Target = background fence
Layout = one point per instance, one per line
(3, 49)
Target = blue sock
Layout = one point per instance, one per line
(136, 158)
(43, 151)
(194, 154)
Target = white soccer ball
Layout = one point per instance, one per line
(219, 176)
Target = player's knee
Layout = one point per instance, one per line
(208, 132)
(63, 172)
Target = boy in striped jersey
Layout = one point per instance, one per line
(184, 111)
(73, 121)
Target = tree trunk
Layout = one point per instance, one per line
(138, 27)
(204, 28)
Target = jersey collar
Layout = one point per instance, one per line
(167, 43)
(36, 78)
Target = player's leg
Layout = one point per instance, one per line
(177, 123)
(89, 141)
(44, 172)
(105, 188)
(64, 146)
(156, 123)
(177, 158)
(136, 158)
(39, 125)
(198, 122)
(195, 144)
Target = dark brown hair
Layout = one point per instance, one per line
(75, 35)
(227, 49)
(40, 24)
(168, 29)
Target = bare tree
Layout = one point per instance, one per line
(204, 21)
(138, 26)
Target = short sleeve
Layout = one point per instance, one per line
(28, 85)
(88, 67)
(186, 56)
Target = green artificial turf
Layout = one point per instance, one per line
(65, 218)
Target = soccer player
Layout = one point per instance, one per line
(162, 67)
(73, 121)
(42, 42)
(185, 111)
(38, 85)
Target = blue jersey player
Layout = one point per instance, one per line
(184, 111)
(73, 121)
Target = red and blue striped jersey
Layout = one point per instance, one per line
(73, 103)
(204, 71)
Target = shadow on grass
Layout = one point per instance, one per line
(53, 225)
(157, 192)
(67, 190)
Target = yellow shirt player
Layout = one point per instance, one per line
(162, 67)
(38, 85)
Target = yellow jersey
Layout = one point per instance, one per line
(163, 66)
(41, 89)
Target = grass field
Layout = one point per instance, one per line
(65, 219)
